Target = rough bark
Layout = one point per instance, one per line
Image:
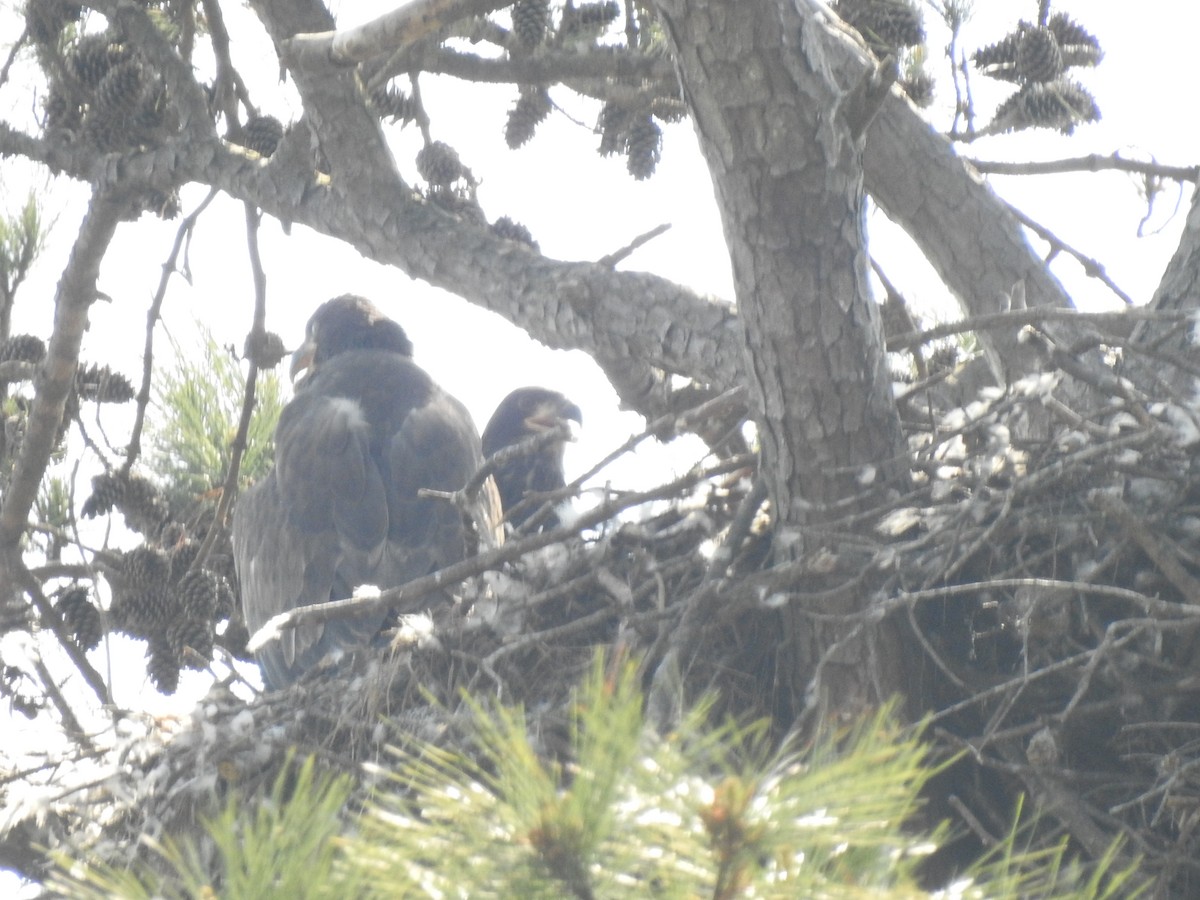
(1178, 291)
(788, 176)
(912, 172)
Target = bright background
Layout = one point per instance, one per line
(580, 206)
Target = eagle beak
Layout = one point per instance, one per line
(302, 359)
(552, 415)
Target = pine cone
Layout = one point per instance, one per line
(668, 109)
(438, 164)
(107, 132)
(107, 490)
(143, 613)
(63, 113)
(120, 90)
(234, 639)
(999, 60)
(920, 88)
(102, 385)
(593, 14)
(1038, 56)
(93, 56)
(532, 107)
(181, 554)
(531, 19)
(197, 592)
(262, 134)
(392, 103)
(145, 567)
(144, 506)
(506, 228)
(613, 126)
(885, 25)
(23, 348)
(81, 617)
(162, 665)
(164, 205)
(1060, 104)
(1070, 34)
(589, 17)
(227, 602)
(944, 358)
(195, 634)
(645, 148)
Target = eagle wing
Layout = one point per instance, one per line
(342, 507)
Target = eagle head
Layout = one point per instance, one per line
(348, 322)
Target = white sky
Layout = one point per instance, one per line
(580, 206)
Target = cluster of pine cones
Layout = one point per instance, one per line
(890, 27)
(159, 594)
(93, 384)
(628, 130)
(102, 92)
(1037, 57)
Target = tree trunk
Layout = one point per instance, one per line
(788, 176)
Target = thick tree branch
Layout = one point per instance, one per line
(75, 295)
(395, 30)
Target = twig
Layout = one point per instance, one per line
(1166, 561)
(50, 685)
(610, 260)
(229, 85)
(1091, 267)
(12, 55)
(525, 447)
(49, 616)
(1015, 318)
(238, 447)
(522, 642)
(153, 314)
(1093, 163)
(397, 597)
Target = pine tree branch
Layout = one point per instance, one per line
(48, 615)
(1094, 162)
(187, 95)
(393, 31)
(1119, 323)
(603, 70)
(1092, 267)
(76, 292)
(169, 268)
(238, 447)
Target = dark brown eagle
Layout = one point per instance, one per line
(524, 480)
(366, 430)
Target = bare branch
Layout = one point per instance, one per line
(402, 597)
(1091, 266)
(1118, 322)
(169, 268)
(611, 259)
(1092, 163)
(238, 447)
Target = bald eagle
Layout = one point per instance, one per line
(523, 413)
(366, 430)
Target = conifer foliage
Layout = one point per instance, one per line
(622, 812)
